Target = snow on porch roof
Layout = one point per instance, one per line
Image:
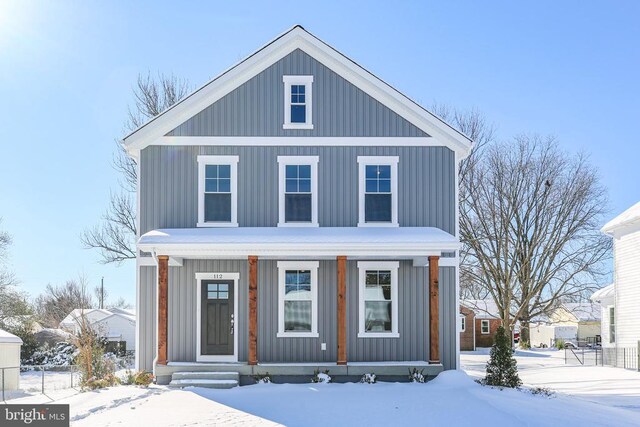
(305, 241)
(6, 337)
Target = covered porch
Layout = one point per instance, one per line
(249, 257)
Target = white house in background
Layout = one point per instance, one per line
(624, 301)
(115, 324)
(72, 323)
(605, 298)
(578, 323)
(10, 358)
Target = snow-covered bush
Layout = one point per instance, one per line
(368, 378)
(262, 379)
(61, 354)
(416, 376)
(321, 377)
(140, 378)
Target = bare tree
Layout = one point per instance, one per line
(114, 237)
(474, 125)
(58, 301)
(7, 278)
(529, 221)
(120, 303)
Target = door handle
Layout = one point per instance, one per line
(232, 324)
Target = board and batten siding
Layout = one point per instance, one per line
(413, 315)
(256, 108)
(169, 185)
(627, 285)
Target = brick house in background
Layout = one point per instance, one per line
(483, 315)
(467, 329)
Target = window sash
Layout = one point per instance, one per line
(297, 299)
(484, 324)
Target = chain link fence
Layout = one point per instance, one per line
(22, 381)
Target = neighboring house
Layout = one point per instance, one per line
(486, 320)
(585, 316)
(467, 329)
(621, 303)
(605, 297)
(114, 324)
(297, 211)
(10, 359)
(74, 320)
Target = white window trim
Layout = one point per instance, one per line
(307, 81)
(283, 266)
(609, 308)
(463, 325)
(485, 322)
(393, 266)
(392, 161)
(283, 161)
(218, 160)
(216, 276)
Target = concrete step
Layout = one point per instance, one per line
(201, 375)
(220, 384)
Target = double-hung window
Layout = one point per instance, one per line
(378, 299)
(217, 191)
(378, 200)
(298, 111)
(463, 323)
(298, 184)
(484, 327)
(297, 299)
(612, 324)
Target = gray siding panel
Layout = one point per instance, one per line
(169, 185)
(413, 315)
(256, 108)
(146, 318)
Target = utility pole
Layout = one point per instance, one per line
(102, 292)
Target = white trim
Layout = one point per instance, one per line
(283, 266)
(609, 308)
(307, 82)
(485, 322)
(235, 277)
(423, 261)
(295, 38)
(218, 160)
(311, 141)
(391, 161)
(393, 266)
(457, 254)
(283, 161)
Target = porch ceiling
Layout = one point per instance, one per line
(299, 242)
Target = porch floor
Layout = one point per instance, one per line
(351, 369)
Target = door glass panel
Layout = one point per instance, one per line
(223, 295)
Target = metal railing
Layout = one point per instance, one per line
(618, 357)
(40, 384)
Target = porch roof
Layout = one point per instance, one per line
(299, 241)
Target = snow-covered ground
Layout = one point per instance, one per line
(451, 399)
(594, 396)
(546, 368)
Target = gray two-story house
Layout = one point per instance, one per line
(297, 212)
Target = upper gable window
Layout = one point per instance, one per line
(378, 201)
(297, 102)
(217, 191)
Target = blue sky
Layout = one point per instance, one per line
(569, 69)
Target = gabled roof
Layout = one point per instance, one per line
(296, 38)
(483, 308)
(627, 221)
(92, 314)
(583, 311)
